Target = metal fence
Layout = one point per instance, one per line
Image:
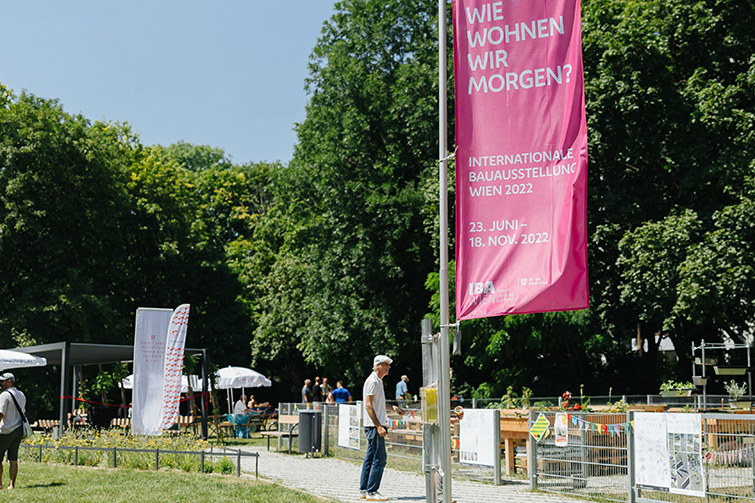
(404, 445)
(601, 465)
(114, 451)
(595, 464)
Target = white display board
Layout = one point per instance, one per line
(477, 444)
(668, 452)
(349, 425)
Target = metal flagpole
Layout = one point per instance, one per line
(444, 381)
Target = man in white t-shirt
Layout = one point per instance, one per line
(240, 408)
(375, 429)
(11, 429)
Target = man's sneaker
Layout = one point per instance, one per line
(362, 495)
(376, 496)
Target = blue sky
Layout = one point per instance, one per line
(228, 73)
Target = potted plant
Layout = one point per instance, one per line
(673, 388)
(736, 391)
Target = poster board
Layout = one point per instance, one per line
(477, 445)
(668, 453)
(349, 425)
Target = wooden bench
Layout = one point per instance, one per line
(121, 422)
(222, 422)
(45, 424)
(255, 423)
(185, 422)
(291, 420)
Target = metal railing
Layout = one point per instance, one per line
(114, 451)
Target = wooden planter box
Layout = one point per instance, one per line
(740, 404)
(730, 371)
(676, 392)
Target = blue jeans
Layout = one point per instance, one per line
(374, 461)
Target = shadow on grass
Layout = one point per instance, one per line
(50, 484)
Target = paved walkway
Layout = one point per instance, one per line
(298, 472)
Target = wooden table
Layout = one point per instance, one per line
(514, 431)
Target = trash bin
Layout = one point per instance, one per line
(310, 431)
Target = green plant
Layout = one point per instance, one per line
(542, 404)
(735, 390)
(225, 466)
(672, 385)
(510, 399)
(524, 403)
(620, 406)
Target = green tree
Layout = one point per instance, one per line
(62, 248)
(670, 113)
(94, 225)
(347, 280)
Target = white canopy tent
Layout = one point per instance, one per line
(16, 360)
(196, 383)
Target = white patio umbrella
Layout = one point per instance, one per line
(16, 360)
(239, 377)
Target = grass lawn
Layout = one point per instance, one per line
(52, 483)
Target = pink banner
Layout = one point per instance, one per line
(521, 164)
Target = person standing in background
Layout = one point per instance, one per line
(375, 430)
(402, 391)
(12, 403)
(326, 388)
(306, 392)
(341, 394)
(317, 391)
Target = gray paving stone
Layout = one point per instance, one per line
(318, 475)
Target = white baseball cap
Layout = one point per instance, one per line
(381, 359)
(8, 377)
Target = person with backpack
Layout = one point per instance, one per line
(12, 403)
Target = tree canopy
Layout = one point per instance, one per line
(316, 266)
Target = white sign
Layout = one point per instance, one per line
(668, 452)
(349, 425)
(477, 437)
(685, 448)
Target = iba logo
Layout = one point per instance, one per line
(523, 281)
(481, 288)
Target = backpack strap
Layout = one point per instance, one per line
(23, 416)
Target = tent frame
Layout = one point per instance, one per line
(70, 355)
